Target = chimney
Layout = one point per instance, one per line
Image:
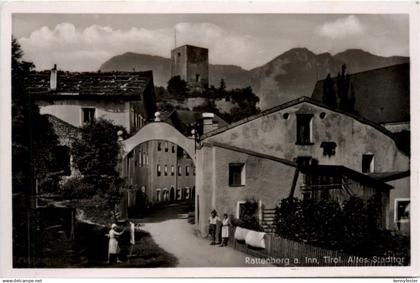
(53, 78)
(207, 122)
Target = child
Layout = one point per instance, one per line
(212, 227)
(225, 230)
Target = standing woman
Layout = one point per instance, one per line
(113, 244)
(225, 230)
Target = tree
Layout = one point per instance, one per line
(329, 97)
(177, 86)
(33, 136)
(345, 102)
(221, 91)
(96, 153)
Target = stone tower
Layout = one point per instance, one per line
(191, 63)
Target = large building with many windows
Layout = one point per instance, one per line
(162, 170)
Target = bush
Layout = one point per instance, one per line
(77, 188)
(355, 228)
(48, 185)
(248, 218)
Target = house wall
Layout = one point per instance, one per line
(147, 175)
(187, 61)
(162, 158)
(198, 63)
(186, 183)
(265, 180)
(272, 134)
(179, 62)
(70, 111)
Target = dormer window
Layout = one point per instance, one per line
(304, 129)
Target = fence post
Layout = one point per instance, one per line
(269, 238)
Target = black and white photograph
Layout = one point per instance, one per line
(184, 140)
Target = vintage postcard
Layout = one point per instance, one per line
(209, 139)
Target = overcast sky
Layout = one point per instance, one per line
(84, 42)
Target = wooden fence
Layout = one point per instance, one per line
(283, 252)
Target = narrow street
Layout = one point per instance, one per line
(172, 232)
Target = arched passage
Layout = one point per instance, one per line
(159, 131)
(162, 160)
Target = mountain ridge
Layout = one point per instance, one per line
(287, 76)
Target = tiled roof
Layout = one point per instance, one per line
(382, 95)
(88, 84)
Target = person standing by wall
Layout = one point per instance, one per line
(225, 230)
(212, 227)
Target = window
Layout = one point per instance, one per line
(166, 170)
(179, 171)
(158, 170)
(129, 160)
(187, 170)
(158, 195)
(236, 174)
(141, 157)
(147, 158)
(368, 162)
(88, 115)
(304, 161)
(240, 205)
(166, 146)
(159, 146)
(197, 77)
(173, 148)
(172, 170)
(194, 171)
(304, 129)
(402, 210)
(306, 195)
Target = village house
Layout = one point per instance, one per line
(125, 98)
(72, 99)
(297, 147)
(383, 96)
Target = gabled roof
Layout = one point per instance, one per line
(77, 85)
(294, 102)
(381, 95)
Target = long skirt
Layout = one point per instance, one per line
(225, 231)
(113, 246)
